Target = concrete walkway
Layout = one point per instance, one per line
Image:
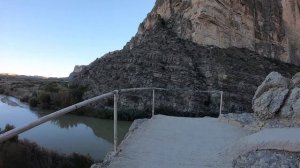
(173, 142)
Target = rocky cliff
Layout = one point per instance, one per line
(162, 59)
(77, 69)
(269, 27)
(199, 45)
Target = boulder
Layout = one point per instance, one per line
(296, 109)
(287, 111)
(296, 80)
(267, 105)
(270, 96)
(273, 80)
(267, 159)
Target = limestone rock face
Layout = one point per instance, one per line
(202, 45)
(162, 59)
(271, 28)
(77, 69)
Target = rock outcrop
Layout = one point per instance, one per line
(277, 95)
(191, 44)
(162, 59)
(77, 69)
(271, 28)
(275, 123)
(270, 95)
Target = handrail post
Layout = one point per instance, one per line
(221, 103)
(116, 96)
(153, 101)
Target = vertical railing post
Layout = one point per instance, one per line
(153, 101)
(116, 96)
(221, 102)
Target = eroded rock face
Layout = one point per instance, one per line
(167, 52)
(162, 59)
(77, 69)
(271, 28)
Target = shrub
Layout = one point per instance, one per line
(44, 99)
(109, 102)
(132, 114)
(51, 87)
(33, 102)
(9, 127)
(26, 154)
(2, 91)
(77, 92)
(34, 94)
(24, 99)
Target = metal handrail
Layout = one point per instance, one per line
(16, 131)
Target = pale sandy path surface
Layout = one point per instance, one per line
(173, 142)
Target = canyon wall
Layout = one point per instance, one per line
(228, 45)
(162, 59)
(269, 27)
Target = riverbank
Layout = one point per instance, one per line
(23, 87)
(6, 100)
(55, 93)
(26, 154)
(64, 134)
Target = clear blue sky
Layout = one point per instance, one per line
(50, 37)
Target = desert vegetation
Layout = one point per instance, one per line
(55, 96)
(43, 93)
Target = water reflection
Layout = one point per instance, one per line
(66, 134)
(101, 128)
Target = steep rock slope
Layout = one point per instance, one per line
(271, 28)
(162, 59)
